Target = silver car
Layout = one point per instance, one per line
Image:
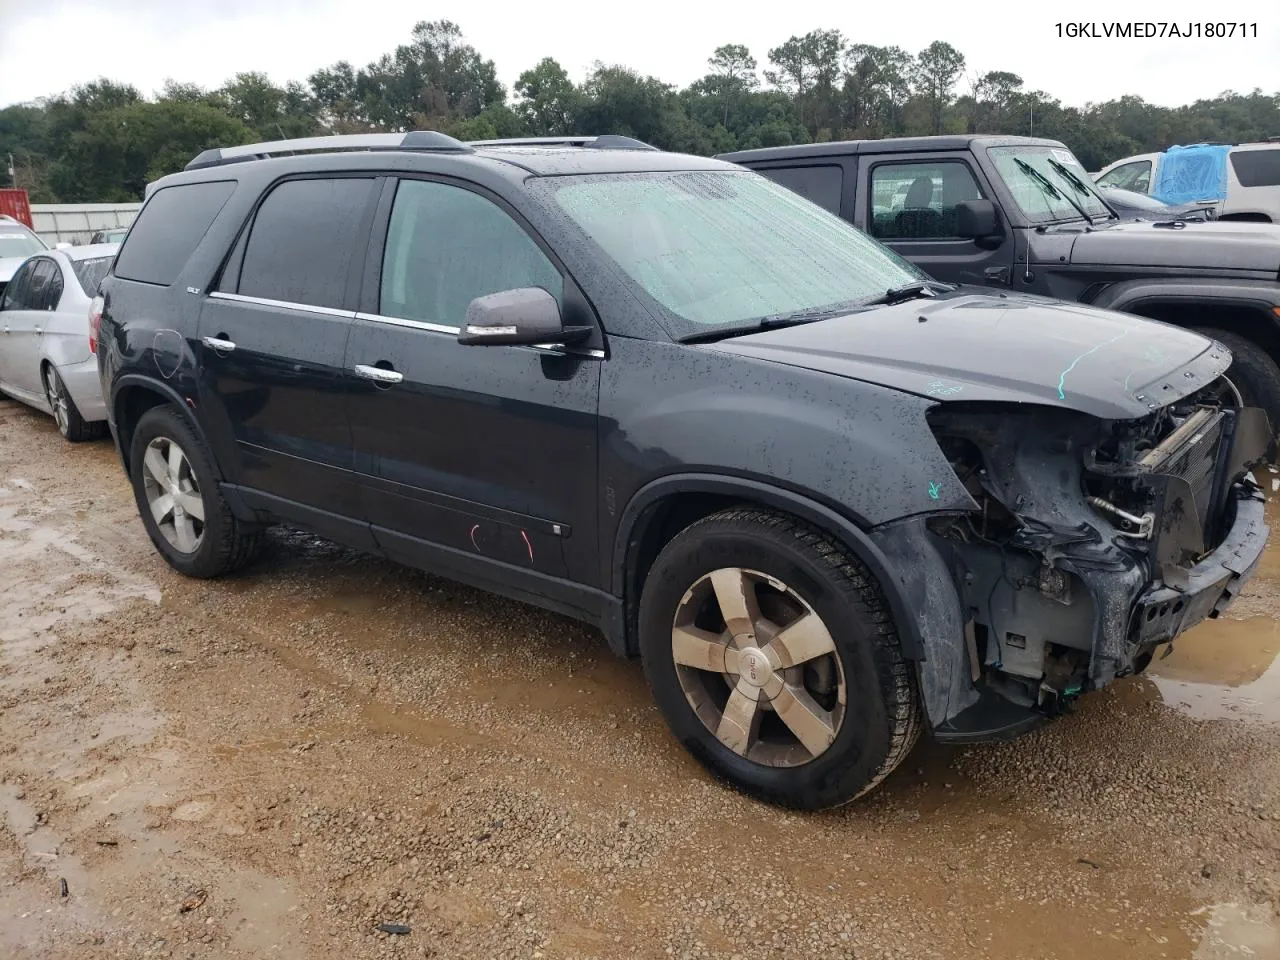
(45, 355)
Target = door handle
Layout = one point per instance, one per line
(215, 343)
(378, 374)
(39, 331)
(996, 274)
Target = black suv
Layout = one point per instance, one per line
(826, 499)
(1019, 213)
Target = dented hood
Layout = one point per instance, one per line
(1218, 245)
(1012, 348)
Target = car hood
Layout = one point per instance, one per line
(1011, 348)
(1229, 245)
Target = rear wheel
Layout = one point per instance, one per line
(65, 412)
(772, 655)
(179, 501)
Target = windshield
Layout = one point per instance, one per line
(1068, 194)
(719, 250)
(18, 242)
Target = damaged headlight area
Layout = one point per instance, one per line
(1094, 541)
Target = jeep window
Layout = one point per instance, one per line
(1129, 176)
(821, 184)
(90, 273)
(722, 249)
(1062, 198)
(917, 201)
(18, 243)
(446, 246)
(1257, 168)
(302, 241)
(169, 228)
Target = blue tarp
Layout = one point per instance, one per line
(1188, 174)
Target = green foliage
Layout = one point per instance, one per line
(104, 141)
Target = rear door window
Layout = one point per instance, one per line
(169, 228)
(41, 285)
(303, 240)
(819, 184)
(1257, 168)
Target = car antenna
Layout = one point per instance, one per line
(1027, 275)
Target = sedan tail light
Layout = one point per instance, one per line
(95, 321)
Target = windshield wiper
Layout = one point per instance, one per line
(1046, 185)
(1074, 179)
(772, 322)
(910, 291)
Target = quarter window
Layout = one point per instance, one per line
(1257, 168)
(820, 184)
(446, 246)
(169, 228)
(303, 240)
(917, 201)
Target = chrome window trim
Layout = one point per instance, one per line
(284, 304)
(453, 331)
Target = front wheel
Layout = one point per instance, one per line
(1253, 372)
(774, 659)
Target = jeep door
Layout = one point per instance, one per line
(908, 202)
(473, 459)
(273, 339)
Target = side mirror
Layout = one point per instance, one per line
(524, 316)
(976, 219)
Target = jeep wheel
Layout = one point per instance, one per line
(179, 501)
(1254, 373)
(773, 657)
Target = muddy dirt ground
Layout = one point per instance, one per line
(273, 764)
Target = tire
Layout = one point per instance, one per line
(1254, 373)
(66, 414)
(881, 716)
(215, 545)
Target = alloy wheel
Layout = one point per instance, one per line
(759, 667)
(56, 394)
(173, 496)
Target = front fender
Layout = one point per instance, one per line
(1130, 294)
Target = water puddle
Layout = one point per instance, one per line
(1224, 669)
(1233, 931)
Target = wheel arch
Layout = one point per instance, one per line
(662, 508)
(132, 396)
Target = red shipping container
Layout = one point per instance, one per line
(14, 203)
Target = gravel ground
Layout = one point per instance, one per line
(274, 764)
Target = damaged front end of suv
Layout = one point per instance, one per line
(1093, 541)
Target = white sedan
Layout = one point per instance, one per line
(45, 357)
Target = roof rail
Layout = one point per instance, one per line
(608, 141)
(413, 140)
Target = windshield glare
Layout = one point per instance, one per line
(1034, 199)
(724, 249)
(19, 243)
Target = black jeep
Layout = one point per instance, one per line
(827, 500)
(1017, 213)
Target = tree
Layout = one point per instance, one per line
(937, 68)
(733, 73)
(336, 98)
(808, 67)
(548, 100)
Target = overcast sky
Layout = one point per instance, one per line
(47, 46)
